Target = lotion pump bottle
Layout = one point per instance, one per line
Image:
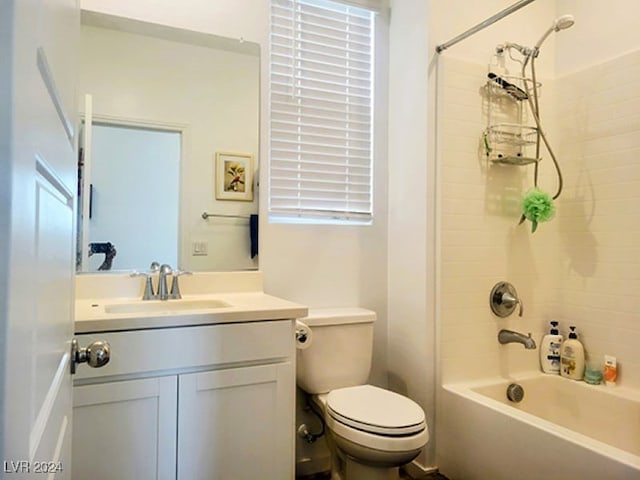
(550, 350)
(572, 357)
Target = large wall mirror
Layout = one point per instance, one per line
(170, 132)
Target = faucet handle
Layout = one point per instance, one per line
(148, 287)
(503, 300)
(509, 301)
(175, 287)
(154, 267)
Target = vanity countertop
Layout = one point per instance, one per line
(117, 314)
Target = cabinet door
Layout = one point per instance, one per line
(236, 424)
(125, 430)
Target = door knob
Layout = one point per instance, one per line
(97, 354)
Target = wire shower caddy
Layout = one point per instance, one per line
(509, 138)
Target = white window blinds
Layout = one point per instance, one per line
(321, 117)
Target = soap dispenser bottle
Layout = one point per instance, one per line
(550, 350)
(572, 357)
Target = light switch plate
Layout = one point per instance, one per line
(199, 249)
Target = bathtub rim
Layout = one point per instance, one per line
(465, 390)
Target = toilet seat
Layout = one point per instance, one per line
(376, 411)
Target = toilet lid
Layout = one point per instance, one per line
(375, 410)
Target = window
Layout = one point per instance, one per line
(321, 111)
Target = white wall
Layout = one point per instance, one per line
(411, 360)
(479, 242)
(603, 31)
(447, 19)
(246, 19)
(212, 94)
(599, 124)
(598, 121)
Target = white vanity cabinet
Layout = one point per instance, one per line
(125, 429)
(192, 403)
(230, 424)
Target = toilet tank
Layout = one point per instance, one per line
(340, 351)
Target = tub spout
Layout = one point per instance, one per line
(509, 336)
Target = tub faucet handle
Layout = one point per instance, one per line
(503, 300)
(509, 301)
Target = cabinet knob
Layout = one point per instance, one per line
(96, 355)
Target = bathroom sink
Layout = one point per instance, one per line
(168, 306)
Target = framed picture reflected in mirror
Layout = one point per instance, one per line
(234, 176)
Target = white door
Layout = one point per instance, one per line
(37, 194)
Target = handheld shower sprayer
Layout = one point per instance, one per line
(530, 93)
(564, 22)
(560, 23)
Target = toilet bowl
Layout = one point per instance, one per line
(377, 430)
(372, 431)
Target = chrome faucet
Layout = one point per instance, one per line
(509, 336)
(163, 292)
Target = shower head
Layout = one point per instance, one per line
(560, 23)
(563, 22)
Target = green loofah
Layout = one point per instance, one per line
(537, 206)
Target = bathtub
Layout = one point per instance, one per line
(562, 429)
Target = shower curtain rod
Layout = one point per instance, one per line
(481, 25)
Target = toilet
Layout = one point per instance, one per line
(372, 431)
